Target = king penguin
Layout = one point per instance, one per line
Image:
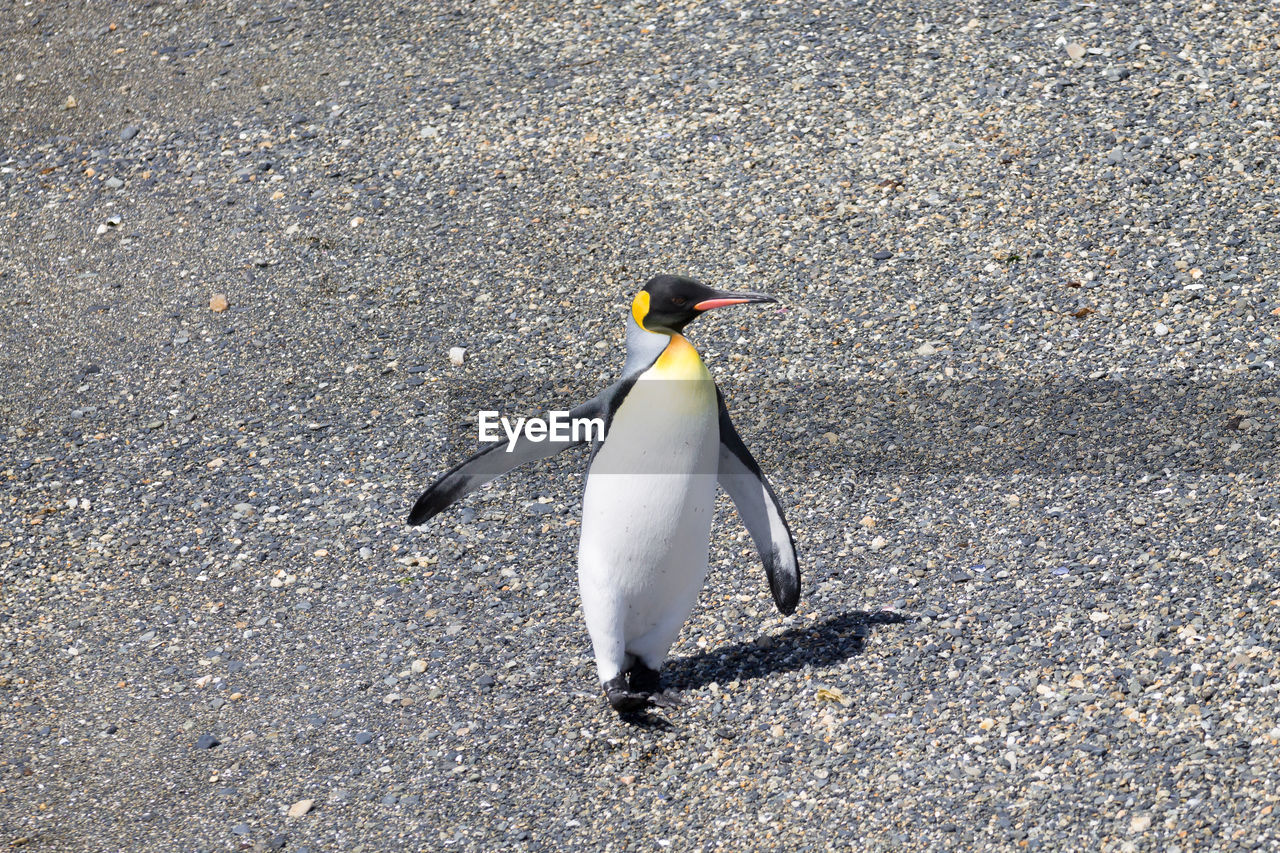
(650, 492)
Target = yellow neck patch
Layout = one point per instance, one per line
(640, 308)
(679, 361)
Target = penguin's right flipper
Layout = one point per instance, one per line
(494, 460)
(740, 476)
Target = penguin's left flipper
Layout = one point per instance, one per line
(758, 506)
(497, 459)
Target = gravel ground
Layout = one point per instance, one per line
(1021, 404)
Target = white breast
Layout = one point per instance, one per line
(647, 511)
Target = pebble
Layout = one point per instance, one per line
(207, 742)
(457, 355)
(364, 737)
(301, 807)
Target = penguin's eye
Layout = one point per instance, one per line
(678, 301)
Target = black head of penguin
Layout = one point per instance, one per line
(668, 303)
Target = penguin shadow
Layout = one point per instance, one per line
(827, 642)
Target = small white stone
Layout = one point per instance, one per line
(301, 807)
(457, 355)
(419, 666)
(1075, 50)
(926, 349)
(1161, 330)
(878, 543)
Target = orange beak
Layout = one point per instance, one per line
(724, 299)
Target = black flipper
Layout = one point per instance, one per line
(758, 506)
(494, 460)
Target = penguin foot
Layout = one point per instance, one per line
(622, 698)
(644, 680)
(668, 699)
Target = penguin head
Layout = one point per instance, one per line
(668, 303)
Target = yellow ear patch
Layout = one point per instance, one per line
(640, 308)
